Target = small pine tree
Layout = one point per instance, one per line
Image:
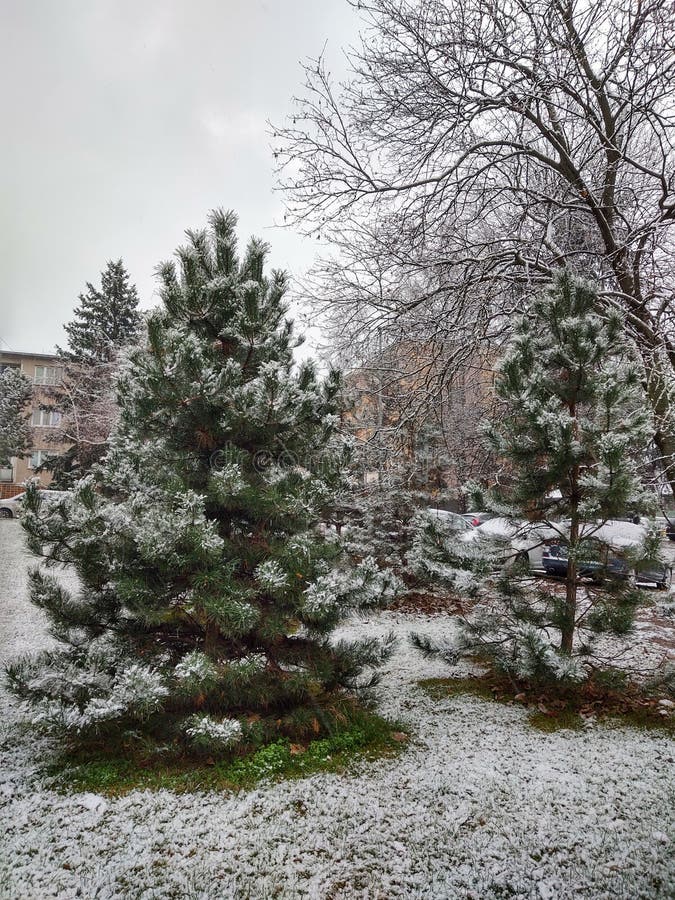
(379, 522)
(570, 435)
(208, 592)
(105, 322)
(15, 433)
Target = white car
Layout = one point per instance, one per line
(12, 508)
(478, 517)
(521, 538)
(456, 521)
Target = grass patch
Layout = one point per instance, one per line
(439, 688)
(550, 711)
(562, 719)
(366, 737)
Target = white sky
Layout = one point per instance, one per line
(125, 122)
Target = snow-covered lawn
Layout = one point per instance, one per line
(478, 806)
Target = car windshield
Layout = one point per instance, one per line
(455, 521)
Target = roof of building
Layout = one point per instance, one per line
(12, 353)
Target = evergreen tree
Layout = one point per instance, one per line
(208, 592)
(379, 522)
(571, 432)
(105, 322)
(15, 433)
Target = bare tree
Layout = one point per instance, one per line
(87, 404)
(415, 425)
(478, 146)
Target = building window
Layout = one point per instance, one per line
(39, 457)
(6, 473)
(45, 418)
(4, 366)
(47, 375)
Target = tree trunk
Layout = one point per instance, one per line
(211, 636)
(659, 396)
(567, 630)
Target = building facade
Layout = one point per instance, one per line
(415, 414)
(45, 374)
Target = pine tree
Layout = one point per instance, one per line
(208, 591)
(379, 522)
(571, 433)
(105, 322)
(15, 433)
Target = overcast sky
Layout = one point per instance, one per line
(124, 122)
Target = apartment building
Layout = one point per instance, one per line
(44, 372)
(408, 414)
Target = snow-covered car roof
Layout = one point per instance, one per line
(616, 534)
(509, 529)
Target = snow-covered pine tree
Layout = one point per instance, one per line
(15, 434)
(394, 475)
(379, 524)
(571, 435)
(208, 594)
(106, 321)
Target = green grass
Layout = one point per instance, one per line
(559, 712)
(438, 688)
(564, 719)
(370, 737)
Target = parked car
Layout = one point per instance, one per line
(520, 540)
(540, 543)
(477, 518)
(11, 507)
(598, 561)
(456, 521)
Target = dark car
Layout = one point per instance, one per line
(598, 561)
(595, 560)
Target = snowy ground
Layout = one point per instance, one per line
(479, 806)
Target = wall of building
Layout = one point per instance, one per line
(44, 373)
